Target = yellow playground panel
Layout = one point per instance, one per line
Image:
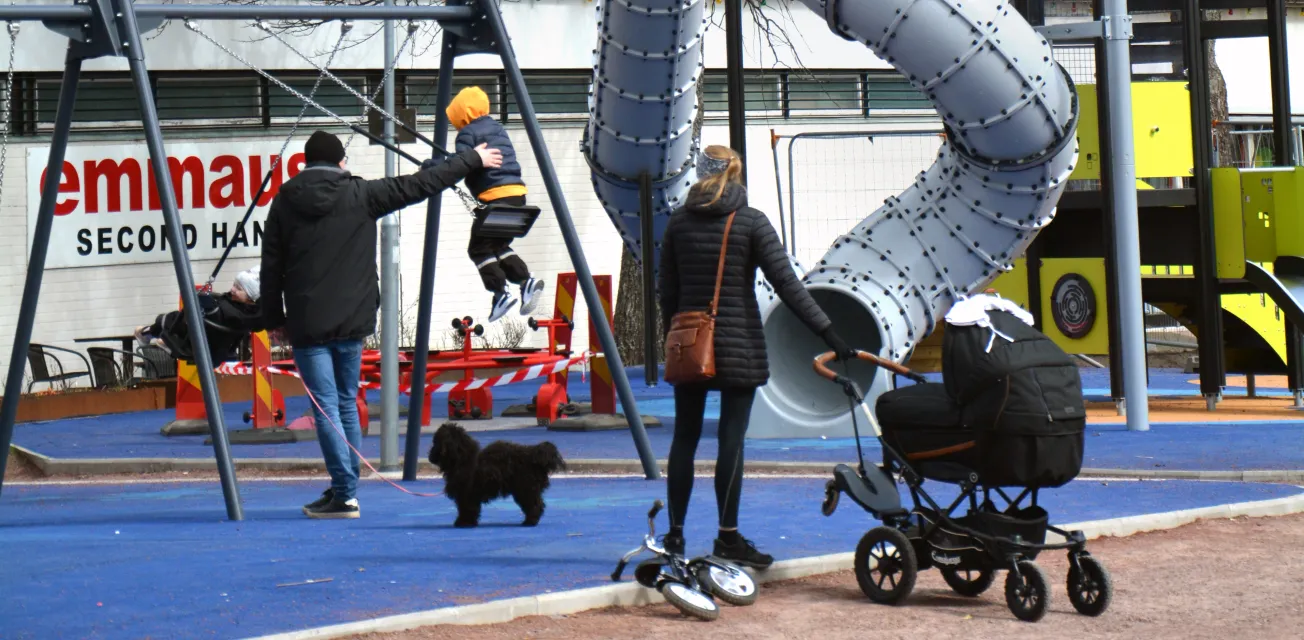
(1161, 128)
(1258, 216)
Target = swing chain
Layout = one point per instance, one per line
(468, 201)
(294, 127)
(8, 102)
(367, 101)
(393, 65)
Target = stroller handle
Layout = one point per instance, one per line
(822, 360)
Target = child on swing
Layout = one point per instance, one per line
(493, 257)
(237, 309)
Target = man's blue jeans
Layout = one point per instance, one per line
(330, 373)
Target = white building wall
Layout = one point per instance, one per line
(113, 300)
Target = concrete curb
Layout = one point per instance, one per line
(632, 594)
(106, 466)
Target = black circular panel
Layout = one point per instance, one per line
(1073, 305)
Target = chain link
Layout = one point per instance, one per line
(8, 101)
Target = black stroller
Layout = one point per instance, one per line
(1009, 415)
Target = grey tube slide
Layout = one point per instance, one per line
(1010, 114)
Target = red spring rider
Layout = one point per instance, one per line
(469, 403)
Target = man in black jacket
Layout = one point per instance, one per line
(319, 281)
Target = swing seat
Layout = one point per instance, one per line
(496, 220)
(223, 341)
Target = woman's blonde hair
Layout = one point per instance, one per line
(733, 172)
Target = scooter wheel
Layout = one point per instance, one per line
(689, 601)
(831, 496)
(733, 585)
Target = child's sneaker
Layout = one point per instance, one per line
(530, 290)
(503, 302)
(143, 338)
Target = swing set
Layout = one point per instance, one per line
(112, 28)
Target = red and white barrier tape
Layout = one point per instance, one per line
(519, 375)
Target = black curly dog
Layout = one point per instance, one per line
(473, 477)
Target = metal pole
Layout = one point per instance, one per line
(733, 27)
(1283, 156)
(81, 13)
(572, 238)
(416, 402)
(778, 187)
(389, 293)
(1127, 234)
(135, 54)
(648, 235)
(36, 263)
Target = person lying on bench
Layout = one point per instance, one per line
(237, 311)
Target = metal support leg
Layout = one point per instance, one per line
(1208, 299)
(389, 294)
(416, 402)
(733, 28)
(1249, 385)
(572, 238)
(1127, 235)
(135, 54)
(36, 263)
(650, 356)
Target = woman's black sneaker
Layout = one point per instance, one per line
(335, 509)
(673, 544)
(742, 552)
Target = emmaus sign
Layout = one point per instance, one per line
(108, 210)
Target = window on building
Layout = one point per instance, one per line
(761, 91)
(422, 90)
(893, 92)
(818, 91)
(555, 94)
(98, 100)
(219, 98)
(330, 95)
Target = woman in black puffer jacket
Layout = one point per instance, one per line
(690, 253)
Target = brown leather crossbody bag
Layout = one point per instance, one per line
(690, 343)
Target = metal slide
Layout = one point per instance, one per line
(1285, 286)
(1010, 112)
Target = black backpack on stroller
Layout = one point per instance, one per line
(1009, 409)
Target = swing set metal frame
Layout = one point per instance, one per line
(102, 28)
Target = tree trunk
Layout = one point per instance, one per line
(628, 315)
(1223, 140)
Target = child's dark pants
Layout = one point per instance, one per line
(494, 257)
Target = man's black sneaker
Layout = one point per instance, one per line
(742, 553)
(335, 509)
(673, 544)
(325, 499)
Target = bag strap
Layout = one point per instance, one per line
(719, 271)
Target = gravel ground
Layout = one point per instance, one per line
(1217, 579)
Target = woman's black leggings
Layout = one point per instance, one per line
(735, 411)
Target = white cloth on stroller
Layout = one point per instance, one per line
(973, 311)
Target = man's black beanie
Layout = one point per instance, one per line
(323, 147)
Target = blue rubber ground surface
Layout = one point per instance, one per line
(1225, 446)
(160, 561)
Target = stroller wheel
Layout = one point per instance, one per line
(831, 495)
(1090, 588)
(969, 582)
(1027, 592)
(885, 565)
(689, 601)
